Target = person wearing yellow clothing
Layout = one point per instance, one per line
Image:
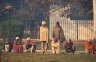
(55, 46)
(44, 36)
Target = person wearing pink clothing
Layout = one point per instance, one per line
(17, 46)
(14, 46)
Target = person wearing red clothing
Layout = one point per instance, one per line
(17, 47)
(89, 47)
(15, 44)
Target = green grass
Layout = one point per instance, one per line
(37, 57)
(79, 46)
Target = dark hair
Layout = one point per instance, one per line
(69, 39)
(57, 22)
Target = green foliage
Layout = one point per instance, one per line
(11, 29)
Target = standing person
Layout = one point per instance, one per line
(44, 37)
(58, 33)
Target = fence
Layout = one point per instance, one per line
(75, 29)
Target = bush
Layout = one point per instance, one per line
(12, 29)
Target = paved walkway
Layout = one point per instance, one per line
(63, 51)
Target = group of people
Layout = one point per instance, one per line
(58, 38)
(21, 46)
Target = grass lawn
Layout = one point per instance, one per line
(37, 57)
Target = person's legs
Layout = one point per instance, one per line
(58, 50)
(92, 51)
(24, 48)
(73, 49)
(45, 46)
(32, 47)
(68, 50)
(53, 49)
(42, 46)
(86, 51)
(61, 45)
(6, 48)
(29, 47)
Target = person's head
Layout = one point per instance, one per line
(28, 38)
(57, 23)
(43, 23)
(54, 39)
(90, 40)
(70, 40)
(17, 38)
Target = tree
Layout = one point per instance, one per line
(12, 30)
